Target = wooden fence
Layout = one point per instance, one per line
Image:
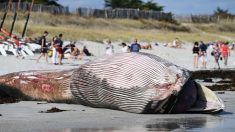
(117, 13)
(97, 13)
(36, 8)
(124, 14)
(202, 18)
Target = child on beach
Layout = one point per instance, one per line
(18, 47)
(109, 48)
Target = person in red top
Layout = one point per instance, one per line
(16, 41)
(18, 46)
(225, 52)
(59, 42)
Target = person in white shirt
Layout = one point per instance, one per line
(54, 52)
(125, 48)
(109, 48)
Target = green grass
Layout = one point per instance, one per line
(76, 28)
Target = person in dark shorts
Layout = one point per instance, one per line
(203, 54)
(195, 54)
(44, 47)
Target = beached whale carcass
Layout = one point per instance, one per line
(132, 82)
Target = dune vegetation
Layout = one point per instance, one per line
(77, 28)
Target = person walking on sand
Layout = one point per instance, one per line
(195, 55)
(225, 52)
(109, 48)
(135, 47)
(203, 54)
(216, 53)
(44, 49)
(59, 49)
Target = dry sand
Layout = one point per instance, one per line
(25, 117)
(182, 57)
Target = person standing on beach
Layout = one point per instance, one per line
(225, 52)
(195, 55)
(109, 48)
(203, 54)
(18, 47)
(59, 49)
(44, 49)
(216, 53)
(54, 52)
(135, 47)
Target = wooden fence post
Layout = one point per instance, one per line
(218, 19)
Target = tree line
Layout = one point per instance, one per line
(113, 4)
(133, 4)
(223, 13)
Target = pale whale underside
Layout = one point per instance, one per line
(132, 82)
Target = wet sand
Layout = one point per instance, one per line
(216, 80)
(26, 116)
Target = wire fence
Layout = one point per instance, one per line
(36, 8)
(116, 13)
(124, 14)
(87, 12)
(203, 18)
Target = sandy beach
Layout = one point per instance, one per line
(25, 116)
(182, 57)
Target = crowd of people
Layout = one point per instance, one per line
(134, 47)
(176, 43)
(59, 51)
(220, 52)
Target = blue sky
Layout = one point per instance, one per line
(174, 6)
